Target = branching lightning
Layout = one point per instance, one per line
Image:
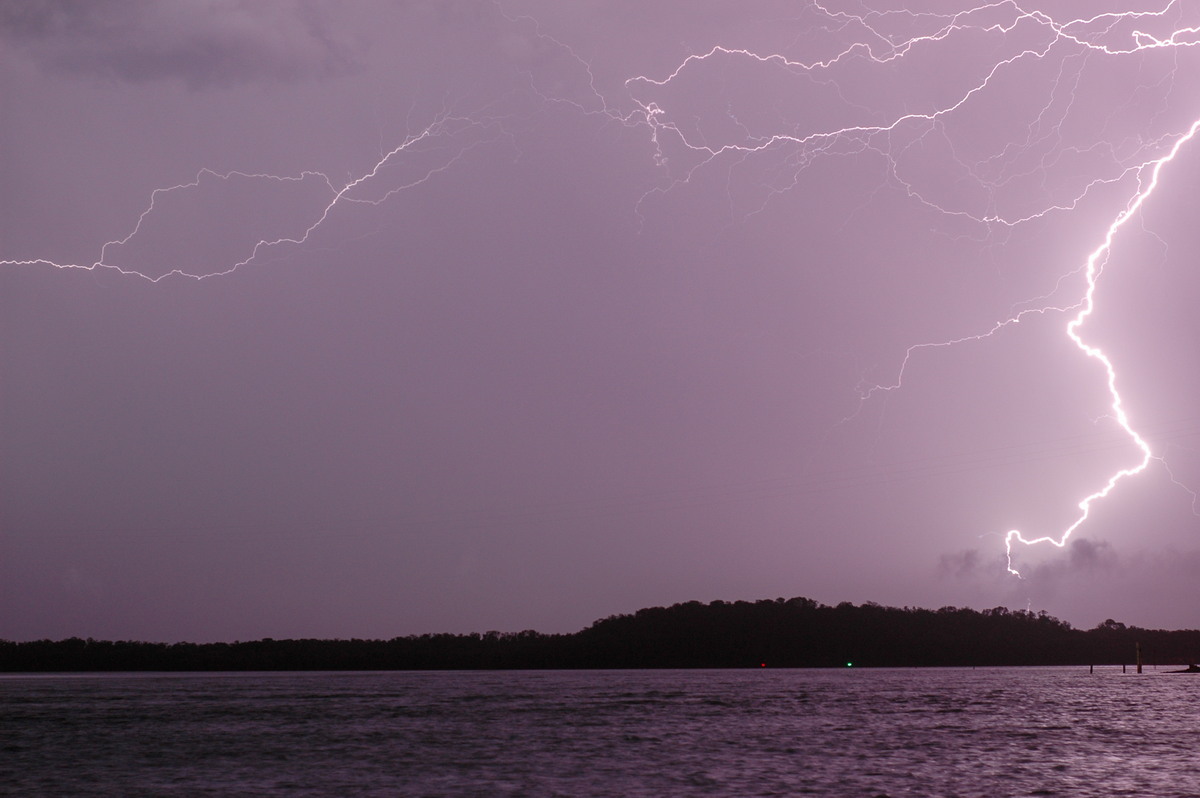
(445, 128)
(1098, 35)
(872, 39)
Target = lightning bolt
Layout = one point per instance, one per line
(469, 131)
(1099, 35)
(1092, 272)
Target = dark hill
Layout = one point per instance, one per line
(796, 632)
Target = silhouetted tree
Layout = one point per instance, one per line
(796, 632)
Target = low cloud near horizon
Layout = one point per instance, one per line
(1090, 582)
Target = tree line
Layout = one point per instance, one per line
(790, 633)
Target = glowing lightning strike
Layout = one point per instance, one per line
(1092, 273)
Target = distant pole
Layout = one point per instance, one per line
(1091, 669)
(1138, 648)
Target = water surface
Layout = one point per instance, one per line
(904, 732)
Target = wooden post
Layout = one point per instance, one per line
(1139, 657)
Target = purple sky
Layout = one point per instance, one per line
(518, 315)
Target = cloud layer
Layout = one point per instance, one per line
(206, 43)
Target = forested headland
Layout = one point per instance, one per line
(787, 633)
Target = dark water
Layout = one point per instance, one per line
(1001, 732)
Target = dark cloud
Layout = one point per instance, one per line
(961, 564)
(207, 43)
(1091, 555)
